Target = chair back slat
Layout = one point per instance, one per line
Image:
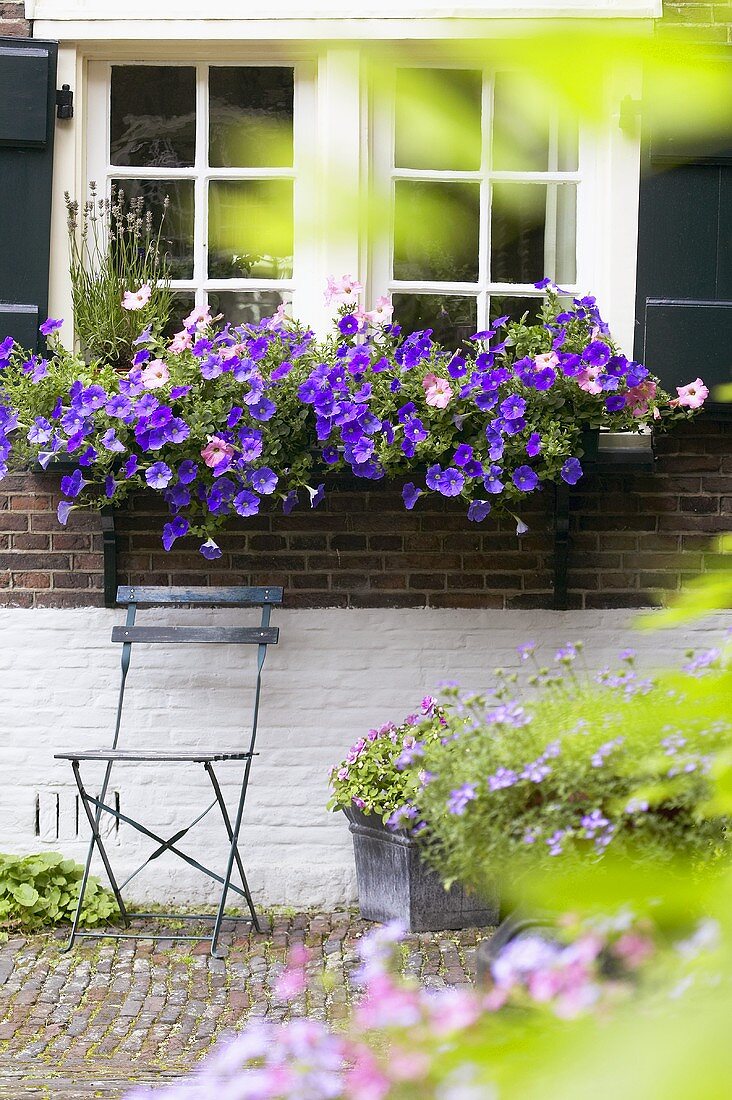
(222, 635)
(229, 596)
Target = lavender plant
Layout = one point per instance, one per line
(222, 421)
(114, 245)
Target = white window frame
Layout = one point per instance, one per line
(99, 169)
(385, 176)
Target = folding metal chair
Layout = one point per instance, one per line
(94, 807)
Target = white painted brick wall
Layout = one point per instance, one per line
(334, 674)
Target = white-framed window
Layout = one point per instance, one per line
(488, 190)
(228, 144)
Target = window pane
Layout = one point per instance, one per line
(436, 229)
(250, 117)
(437, 124)
(502, 305)
(246, 307)
(452, 319)
(183, 303)
(533, 232)
(529, 135)
(250, 232)
(176, 238)
(153, 115)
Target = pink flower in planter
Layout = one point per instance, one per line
(382, 312)
(548, 359)
(181, 341)
(693, 395)
(437, 391)
(155, 375)
(345, 289)
(216, 451)
(638, 397)
(137, 299)
(198, 318)
(587, 380)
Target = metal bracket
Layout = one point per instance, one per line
(109, 546)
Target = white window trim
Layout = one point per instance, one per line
(344, 130)
(100, 170)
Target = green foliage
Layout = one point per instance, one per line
(374, 774)
(623, 765)
(43, 889)
(114, 248)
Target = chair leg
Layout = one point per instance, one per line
(230, 834)
(96, 839)
(229, 867)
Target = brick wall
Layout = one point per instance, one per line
(690, 20)
(634, 535)
(13, 21)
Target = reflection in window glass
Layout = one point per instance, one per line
(451, 318)
(153, 116)
(250, 117)
(246, 307)
(436, 228)
(177, 231)
(250, 233)
(183, 303)
(533, 229)
(529, 135)
(438, 119)
(515, 307)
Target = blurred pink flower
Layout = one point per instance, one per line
(382, 312)
(345, 289)
(137, 299)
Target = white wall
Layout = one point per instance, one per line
(334, 674)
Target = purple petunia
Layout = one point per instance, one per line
(246, 503)
(174, 530)
(210, 549)
(478, 510)
(264, 480)
(534, 445)
(615, 402)
(525, 479)
(49, 326)
(513, 407)
(571, 471)
(159, 475)
(410, 495)
(72, 484)
(450, 482)
(187, 471)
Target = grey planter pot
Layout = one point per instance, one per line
(394, 883)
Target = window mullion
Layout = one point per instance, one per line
(484, 232)
(200, 186)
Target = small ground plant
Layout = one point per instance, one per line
(40, 890)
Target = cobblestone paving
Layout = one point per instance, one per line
(89, 1022)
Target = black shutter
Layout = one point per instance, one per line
(27, 118)
(684, 296)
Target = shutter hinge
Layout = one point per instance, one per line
(64, 102)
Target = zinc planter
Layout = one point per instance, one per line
(394, 883)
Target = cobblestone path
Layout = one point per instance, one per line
(90, 1022)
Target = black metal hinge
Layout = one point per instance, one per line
(64, 102)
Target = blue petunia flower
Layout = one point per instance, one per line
(264, 480)
(534, 445)
(159, 475)
(525, 479)
(72, 484)
(478, 510)
(410, 495)
(571, 471)
(174, 530)
(49, 326)
(246, 503)
(210, 549)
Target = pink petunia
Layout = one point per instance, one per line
(181, 341)
(587, 380)
(382, 312)
(693, 395)
(198, 318)
(638, 397)
(437, 391)
(216, 451)
(548, 359)
(155, 375)
(345, 289)
(137, 299)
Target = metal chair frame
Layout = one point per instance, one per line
(261, 636)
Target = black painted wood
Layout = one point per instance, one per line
(200, 635)
(684, 278)
(233, 595)
(27, 120)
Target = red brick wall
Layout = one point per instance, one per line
(13, 21)
(633, 533)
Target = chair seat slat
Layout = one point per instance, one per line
(199, 756)
(230, 595)
(222, 635)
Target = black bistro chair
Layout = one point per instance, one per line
(260, 636)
